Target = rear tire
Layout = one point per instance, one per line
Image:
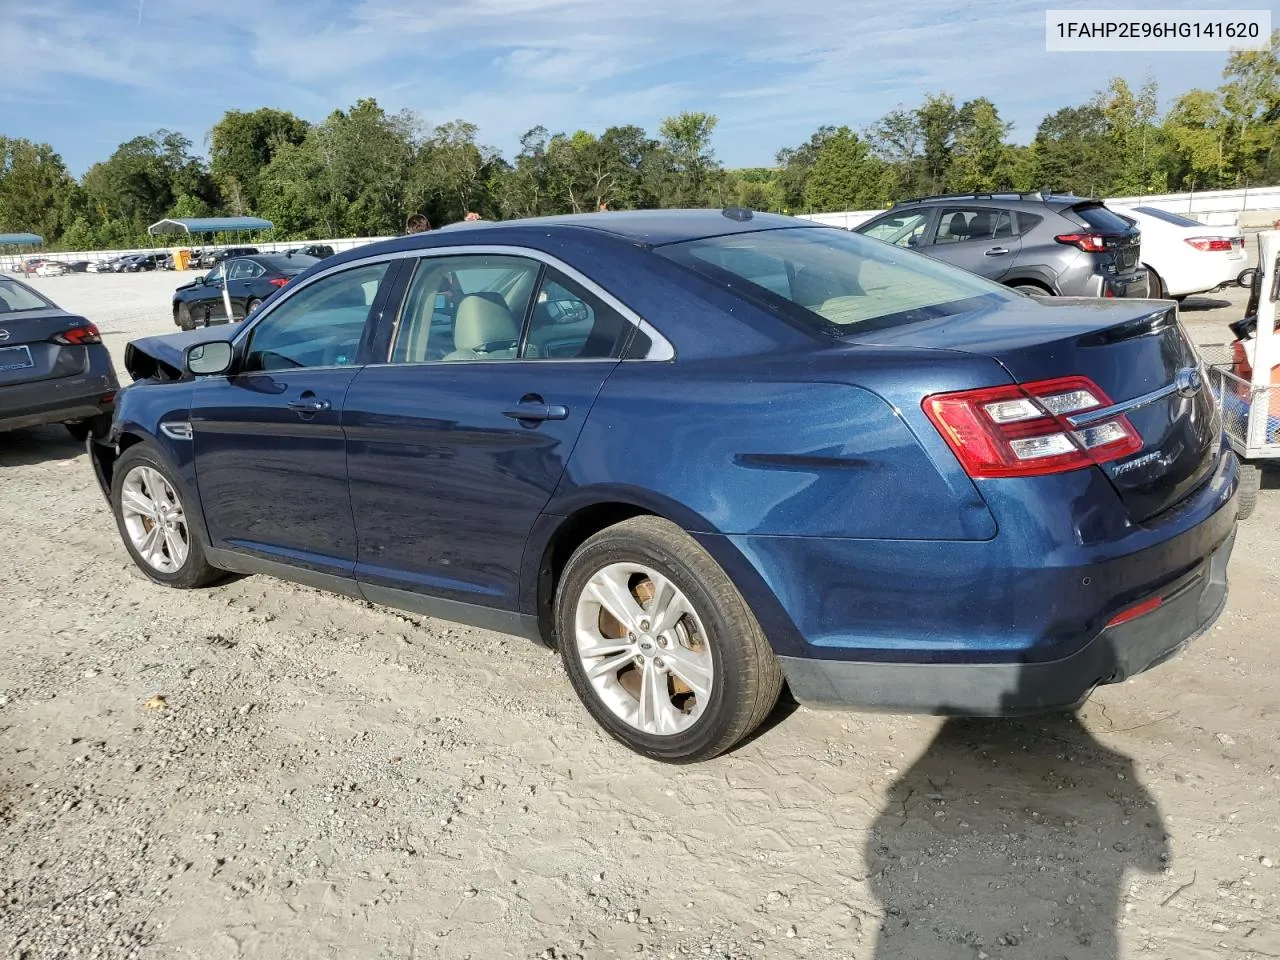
(97, 426)
(1032, 289)
(251, 306)
(710, 671)
(153, 521)
(1250, 485)
(1156, 290)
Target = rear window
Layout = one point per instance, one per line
(287, 264)
(834, 281)
(1103, 220)
(1167, 217)
(15, 297)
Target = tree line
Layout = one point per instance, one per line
(363, 171)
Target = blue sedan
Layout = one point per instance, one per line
(700, 453)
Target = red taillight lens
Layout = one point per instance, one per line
(278, 281)
(1021, 431)
(78, 335)
(1134, 612)
(1211, 244)
(1088, 242)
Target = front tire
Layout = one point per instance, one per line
(1032, 290)
(660, 646)
(153, 523)
(182, 317)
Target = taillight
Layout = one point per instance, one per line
(1211, 244)
(78, 335)
(278, 281)
(1088, 242)
(1021, 430)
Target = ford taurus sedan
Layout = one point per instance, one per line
(700, 452)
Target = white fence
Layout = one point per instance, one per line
(10, 261)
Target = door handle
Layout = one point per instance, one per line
(309, 403)
(997, 252)
(537, 411)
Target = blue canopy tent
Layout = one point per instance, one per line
(16, 242)
(210, 228)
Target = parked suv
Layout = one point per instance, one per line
(1040, 243)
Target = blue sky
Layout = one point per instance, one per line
(85, 76)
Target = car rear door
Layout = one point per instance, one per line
(456, 444)
(240, 277)
(979, 239)
(270, 451)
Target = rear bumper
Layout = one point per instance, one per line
(55, 401)
(1004, 689)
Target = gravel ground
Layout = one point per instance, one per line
(263, 770)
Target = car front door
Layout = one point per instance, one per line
(456, 444)
(978, 239)
(270, 452)
(240, 275)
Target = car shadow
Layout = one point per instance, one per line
(1012, 837)
(20, 448)
(1193, 304)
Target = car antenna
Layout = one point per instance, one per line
(741, 214)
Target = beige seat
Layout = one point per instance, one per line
(479, 322)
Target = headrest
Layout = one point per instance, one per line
(480, 321)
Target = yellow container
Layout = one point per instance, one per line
(182, 260)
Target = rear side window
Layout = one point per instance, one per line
(838, 282)
(1101, 219)
(569, 322)
(957, 224)
(1027, 222)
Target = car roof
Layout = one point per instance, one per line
(649, 228)
(1054, 201)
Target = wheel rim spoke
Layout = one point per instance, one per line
(691, 668)
(611, 592)
(667, 607)
(608, 665)
(153, 519)
(135, 502)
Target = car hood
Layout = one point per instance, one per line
(191, 285)
(160, 358)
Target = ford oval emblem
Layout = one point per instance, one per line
(1188, 382)
(4, 335)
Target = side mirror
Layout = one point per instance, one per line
(208, 359)
(199, 280)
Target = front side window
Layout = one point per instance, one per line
(465, 308)
(320, 325)
(839, 283)
(901, 229)
(214, 275)
(569, 322)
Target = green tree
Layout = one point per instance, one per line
(1251, 103)
(1072, 151)
(1196, 130)
(242, 144)
(37, 194)
(938, 122)
(845, 176)
(691, 162)
(796, 163)
(980, 157)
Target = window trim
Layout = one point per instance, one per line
(660, 349)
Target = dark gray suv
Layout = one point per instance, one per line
(1040, 243)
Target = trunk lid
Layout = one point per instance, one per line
(28, 351)
(1121, 239)
(1132, 350)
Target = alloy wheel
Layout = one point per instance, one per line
(644, 649)
(154, 519)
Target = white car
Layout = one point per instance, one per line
(51, 268)
(1184, 256)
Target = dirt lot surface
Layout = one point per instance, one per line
(263, 770)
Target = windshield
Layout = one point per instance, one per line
(15, 297)
(835, 281)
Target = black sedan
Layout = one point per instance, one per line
(243, 283)
(53, 366)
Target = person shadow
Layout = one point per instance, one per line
(1011, 838)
